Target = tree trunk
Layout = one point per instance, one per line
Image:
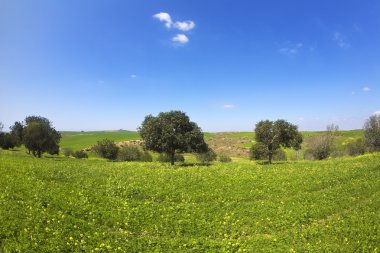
(172, 156)
(270, 154)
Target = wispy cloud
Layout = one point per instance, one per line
(164, 17)
(341, 40)
(185, 25)
(291, 49)
(180, 38)
(228, 106)
(366, 89)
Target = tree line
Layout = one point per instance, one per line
(172, 133)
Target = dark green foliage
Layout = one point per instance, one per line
(225, 159)
(133, 153)
(17, 133)
(165, 158)
(259, 151)
(172, 132)
(355, 148)
(107, 149)
(206, 157)
(80, 154)
(276, 134)
(7, 141)
(372, 133)
(39, 136)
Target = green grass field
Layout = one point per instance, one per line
(57, 204)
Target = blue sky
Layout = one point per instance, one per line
(101, 65)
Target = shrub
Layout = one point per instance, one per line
(7, 141)
(279, 155)
(259, 152)
(206, 157)
(320, 147)
(106, 149)
(68, 152)
(225, 159)
(146, 157)
(133, 153)
(165, 158)
(80, 154)
(356, 148)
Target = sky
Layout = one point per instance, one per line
(105, 65)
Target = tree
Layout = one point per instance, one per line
(172, 132)
(321, 146)
(276, 134)
(39, 136)
(372, 133)
(17, 132)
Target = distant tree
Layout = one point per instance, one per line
(7, 141)
(107, 149)
(372, 133)
(355, 148)
(39, 136)
(17, 133)
(277, 134)
(321, 146)
(172, 132)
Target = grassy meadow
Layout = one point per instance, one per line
(58, 204)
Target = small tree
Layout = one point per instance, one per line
(277, 134)
(172, 132)
(17, 133)
(321, 146)
(107, 149)
(372, 133)
(39, 136)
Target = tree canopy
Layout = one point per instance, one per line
(276, 134)
(372, 133)
(172, 132)
(39, 136)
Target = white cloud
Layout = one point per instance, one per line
(164, 17)
(133, 76)
(376, 113)
(366, 89)
(341, 40)
(180, 38)
(291, 49)
(228, 106)
(185, 25)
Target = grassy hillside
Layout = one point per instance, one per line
(63, 204)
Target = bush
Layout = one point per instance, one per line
(225, 159)
(206, 157)
(133, 153)
(68, 152)
(106, 149)
(165, 158)
(7, 141)
(320, 147)
(356, 148)
(259, 152)
(80, 154)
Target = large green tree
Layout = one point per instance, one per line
(276, 134)
(17, 133)
(172, 132)
(372, 133)
(39, 136)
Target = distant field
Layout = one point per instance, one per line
(68, 205)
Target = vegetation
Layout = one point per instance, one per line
(372, 133)
(225, 159)
(133, 153)
(91, 205)
(277, 134)
(321, 146)
(39, 136)
(172, 132)
(107, 149)
(165, 158)
(80, 154)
